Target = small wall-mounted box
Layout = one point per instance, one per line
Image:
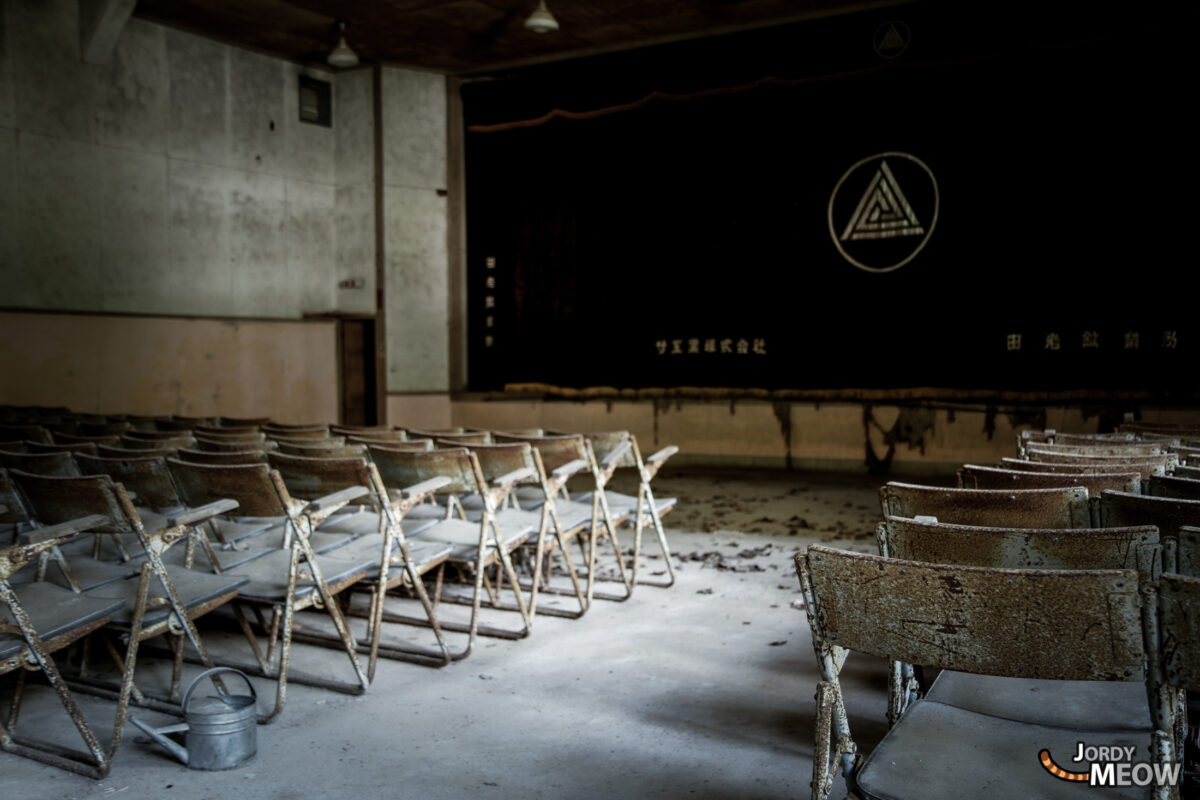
(352, 283)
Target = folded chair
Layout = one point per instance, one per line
(1172, 516)
(619, 449)
(293, 578)
(986, 621)
(381, 536)
(165, 599)
(1011, 508)
(477, 546)
(37, 620)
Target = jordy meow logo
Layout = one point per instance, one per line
(1111, 766)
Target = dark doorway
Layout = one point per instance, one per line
(356, 338)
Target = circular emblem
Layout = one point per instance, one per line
(883, 210)
(891, 39)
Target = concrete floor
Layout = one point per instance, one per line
(701, 690)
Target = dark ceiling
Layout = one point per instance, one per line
(471, 36)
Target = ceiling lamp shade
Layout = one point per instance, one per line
(342, 56)
(541, 20)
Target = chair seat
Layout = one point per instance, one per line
(623, 505)
(1085, 705)
(229, 556)
(53, 611)
(193, 588)
(423, 554)
(464, 536)
(90, 573)
(571, 515)
(364, 522)
(983, 757)
(321, 542)
(268, 576)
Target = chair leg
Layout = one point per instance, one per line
(656, 521)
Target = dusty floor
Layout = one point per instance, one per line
(701, 690)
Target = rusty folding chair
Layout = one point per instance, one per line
(554, 521)
(1143, 468)
(380, 534)
(61, 463)
(164, 599)
(291, 579)
(1165, 461)
(565, 452)
(214, 457)
(619, 449)
(1108, 449)
(971, 476)
(1011, 508)
(477, 546)
(1007, 623)
(1137, 548)
(38, 619)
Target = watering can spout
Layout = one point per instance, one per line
(157, 735)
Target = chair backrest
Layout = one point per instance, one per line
(215, 435)
(1175, 486)
(70, 447)
(62, 437)
(52, 499)
(1135, 548)
(1179, 630)
(218, 446)
(1143, 468)
(393, 444)
(221, 456)
(60, 463)
(104, 451)
(1005, 622)
(1121, 449)
(604, 442)
(218, 431)
(455, 438)
(15, 512)
(1165, 460)
(101, 427)
(308, 478)
(972, 476)
(148, 478)
(296, 431)
(139, 441)
(402, 468)
(1009, 508)
(321, 448)
(1184, 471)
(243, 422)
(496, 460)
(1093, 438)
(369, 431)
(1188, 455)
(251, 485)
(554, 450)
(1121, 509)
(18, 432)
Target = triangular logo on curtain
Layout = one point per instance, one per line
(883, 212)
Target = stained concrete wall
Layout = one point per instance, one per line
(286, 370)
(176, 178)
(415, 208)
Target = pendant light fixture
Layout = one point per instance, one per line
(541, 20)
(342, 56)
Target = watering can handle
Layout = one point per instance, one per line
(187, 696)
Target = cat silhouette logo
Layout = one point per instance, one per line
(883, 211)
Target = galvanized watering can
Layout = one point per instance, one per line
(221, 732)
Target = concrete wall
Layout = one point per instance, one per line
(176, 178)
(417, 263)
(161, 365)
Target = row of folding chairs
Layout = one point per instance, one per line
(308, 531)
(1056, 616)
